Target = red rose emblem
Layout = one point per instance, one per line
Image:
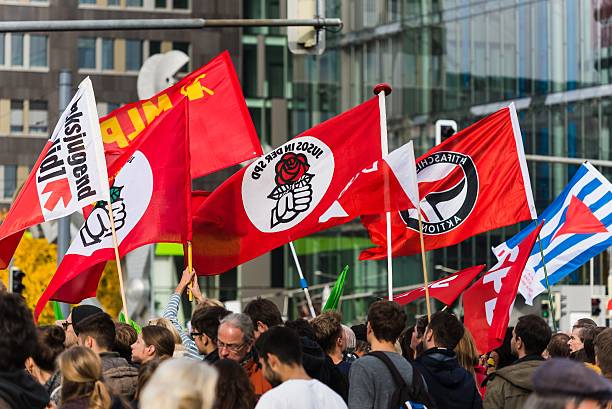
(290, 168)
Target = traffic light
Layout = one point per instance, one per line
(595, 307)
(545, 309)
(560, 304)
(17, 276)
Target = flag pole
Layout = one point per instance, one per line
(425, 278)
(550, 299)
(118, 260)
(190, 269)
(303, 282)
(381, 90)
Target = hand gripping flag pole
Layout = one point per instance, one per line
(303, 282)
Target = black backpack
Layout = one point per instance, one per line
(406, 396)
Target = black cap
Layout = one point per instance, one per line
(360, 332)
(80, 312)
(562, 376)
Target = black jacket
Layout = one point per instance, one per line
(450, 385)
(20, 391)
(321, 367)
(212, 357)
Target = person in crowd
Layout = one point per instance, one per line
(235, 341)
(125, 336)
(205, 326)
(587, 354)
(349, 342)
(566, 384)
(145, 372)
(557, 347)
(18, 342)
(576, 341)
(179, 348)
(450, 385)
(416, 340)
(77, 314)
(371, 383)
(153, 342)
(234, 391)
(502, 356)
(83, 385)
(42, 364)
(362, 347)
(97, 332)
(469, 359)
(280, 355)
(328, 332)
(509, 387)
(603, 352)
(264, 313)
(180, 384)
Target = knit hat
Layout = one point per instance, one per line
(80, 312)
(562, 376)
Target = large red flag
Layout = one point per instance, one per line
(446, 290)
(488, 303)
(282, 196)
(473, 182)
(150, 199)
(217, 112)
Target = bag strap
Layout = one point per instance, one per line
(397, 377)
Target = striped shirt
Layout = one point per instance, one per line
(170, 313)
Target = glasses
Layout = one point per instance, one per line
(196, 334)
(66, 324)
(231, 347)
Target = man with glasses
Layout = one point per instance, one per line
(205, 323)
(78, 314)
(235, 341)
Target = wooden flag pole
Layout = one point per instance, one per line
(190, 269)
(303, 282)
(425, 279)
(118, 260)
(381, 90)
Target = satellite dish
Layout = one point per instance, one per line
(157, 72)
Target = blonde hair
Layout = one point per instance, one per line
(180, 383)
(466, 351)
(208, 302)
(165, 322)
(81, 370)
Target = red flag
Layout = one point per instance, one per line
(150, 199)
(488, 303)
(446, 290)
(473, 182)
(216, 110)
(282, 196)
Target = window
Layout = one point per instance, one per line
(184, 47)
(154, 47)
(160, 4)
(108, 54)
(87, 1)
(87, 53)
(38, 51)
(180, 4)
(1, 48)
(38, 117)
(10, 180)
(17, 49)
(134, 3)
(16, 116)
(115, 3)
(133, 55)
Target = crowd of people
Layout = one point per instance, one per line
(253, 359)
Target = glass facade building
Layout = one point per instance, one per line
(446, 59)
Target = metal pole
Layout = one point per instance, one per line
(63, 224)
(159, 24)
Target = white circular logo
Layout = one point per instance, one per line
(283, 187)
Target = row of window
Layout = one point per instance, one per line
(11, 176)
(146, 4)
(23, 50)
(27, 117)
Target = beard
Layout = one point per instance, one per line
(272, 377)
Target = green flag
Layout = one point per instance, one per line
(132, 323)
(336, 292)
(57, 311)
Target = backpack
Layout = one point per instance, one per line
(406, 396)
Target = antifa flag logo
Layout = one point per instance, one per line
(97, 225)
(454, 177)
(293, 191)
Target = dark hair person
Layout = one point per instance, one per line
(234, 390)
(42, 364)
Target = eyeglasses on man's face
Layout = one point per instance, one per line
(66, 324)
(235, 348)
(194, 334)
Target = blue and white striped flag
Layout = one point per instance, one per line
(578, 227)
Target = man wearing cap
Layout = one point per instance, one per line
(566, 384)
(78, 314)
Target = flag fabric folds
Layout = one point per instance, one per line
(488, 303)
(475, 181)
(446, 290)
(577, 227)
(333, 301)
(217, 112)
(69, 174)
(150, 200)
(281, 196)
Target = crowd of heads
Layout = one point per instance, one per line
(92, 358)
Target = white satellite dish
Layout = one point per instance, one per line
(157, 72)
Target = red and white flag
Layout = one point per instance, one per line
(488, 303)
(446, 290)
(283, 195)
(475, 181)
(150, 199)
(69, 175)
